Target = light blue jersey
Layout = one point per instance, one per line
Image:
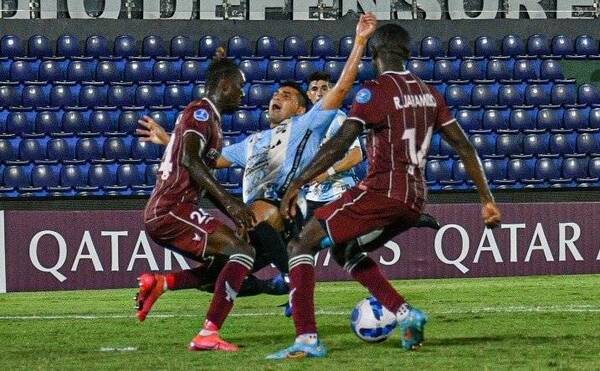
(273, 158)
(333, 187)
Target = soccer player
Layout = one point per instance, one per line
(172, 217)
(400, 113)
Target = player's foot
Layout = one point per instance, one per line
(211, 342)
(428, 221)
(287, 309)
(151, 288)
(300, 350)
(278, 286)
(412, 329)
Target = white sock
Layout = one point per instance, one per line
(309, 339)
(402, 312)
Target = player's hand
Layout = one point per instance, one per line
(152, 131)
(366, 25)
(241, 215)
(491, 214)
(288, 202)
(320, 178)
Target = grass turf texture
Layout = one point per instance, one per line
(490, 323)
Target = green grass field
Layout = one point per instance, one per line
(496, 323)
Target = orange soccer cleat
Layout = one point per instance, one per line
(151, 288)
(211, 342)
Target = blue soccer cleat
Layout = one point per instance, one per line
(287, 311)
(278, 285)
(413, 329)
(300, 350)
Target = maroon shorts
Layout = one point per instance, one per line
(185, 228)
(359, 212)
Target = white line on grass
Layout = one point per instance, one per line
(583, 308)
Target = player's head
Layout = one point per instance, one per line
(224, 82)
(289, 100)
(390, 47)
(319, 84)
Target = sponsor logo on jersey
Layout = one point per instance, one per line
(363, 96)
(201, 115)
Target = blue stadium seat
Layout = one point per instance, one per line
(563, 144)
(446, 149)
(498, 69)
(239, 46)
(75, 122)
(62, 96)
(575, 168)
(323, 46)
(551, 70)
(535, 144)
(199, 91)
(222, 176)
(595, 118)
(562, 45)
(115, 148)
(495, 119)
(485, 144)
(484, 95)
(194, 70)
(513, 46)
(549, 119)
(24, 71)
(165, 71)
(486, 47)
(538, 94)
(254, 70)
(182, 46)
(366, 71)
(509, 144)
(73, 176)
(45, 176)
(88, 149)
(495, 169)
(586, 45)
(60, 149)
(472, 70)
(445, 69)
(281, 70)
(92, 96)
(101, 175)
(208, 45)
(431, 47)
(125, 46)
(103, 121)
(108, 71)
(588, 94)
(235, 175)
(153, 46)
(538, 45)
(148, 95)
(564, 94)
(144, 150)
(548, 168)
(36, 96)
(52, 71)
(10, 95)
(334, 69)
(345, 46)
(68, 46)
(177, 95)
(19, 122)
(294, 46)
(267, 46)
(47, 122)
(17, 176)
(469, 119)
(5, 69)
(81, 70)
(594, 167)
(260, 94)
(525, 69)
(39, 46)
(511, 95)
(138, 70)
(165, 116)
(459, 47)
(244, 121)
(438, 170)
(305, 68)
(150, 173)
(263, 121)
(588, 143)
(32, 150)
(458, 95)
(575, 118)
(128, 120)
(11, 46)
(421, 68)
(96, 46)
(521, 169)
(129, 175)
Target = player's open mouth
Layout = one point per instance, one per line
(275, 107)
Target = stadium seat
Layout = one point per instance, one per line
(511, 95)
(468, 119)
(150, 173)
(495, 120)
(366, 71)
(498, 69)
(522, 119)
(194, 70)
(75, 122)
(5, 69)
(551, 70)
(88, 149)
(121, 95)
(176, 95)
(103, 121)
(59, 149)
(165, 71)
(128, 120)
(588, 94)
(483, 143)
(575, 168)
(39, 46)
(509, 144)
(138, 70)
(513, 46)
(31, 150)
(23, 71)
(260, 94)
(594, 167)
(148, 95)
(486, 47)
(129, 175)
(153, 46)
(472, 70)
(254, 70)
(52, 71)
(235, 175)
(458, 95)
(267, 46)
(521, 169)
(263, 121)
(68, 46)
(538, 94)
(564, 94)
(19, 122)
(17, 176)
(484, 95)
(525, 69)
(305, 68)
(199, 91)
(294, 46)
(445, 70)
(81, 70)
(345, 46)
(10, 96)
(125, 46)
(92, 96)
(281, 70)
(538, 45)
(244, 121)
(165, 116)
(563, 144)
(535, 144)
(595, 118)
(47, 122)
(96, 46)
(73, 176)
(549, 118)
(323, 46)
(239, 47)
(45, 176)
(495, 169)
(101, 175)
(548, 168)
(11, 46)
(438, 170)
(181, 47)
(421, 68)
(115, 148)
(575, 118)
(108, 71)
(431, 47)
(35, 96)
(334, 69)
(562, 45)
(459, 47)
(144, 150)
(588, 143)
(208, 45)
(586, 45)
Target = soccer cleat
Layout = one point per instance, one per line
(151, 288)
(300, 350)
(278, 286)
(412, 329)
(427, 221)
(211, 342)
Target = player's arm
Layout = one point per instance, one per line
(330, 152)
(352, 158)
(364, 29)
(193, 148)
(455, 136)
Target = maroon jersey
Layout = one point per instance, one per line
(401, 113)
(173, 182)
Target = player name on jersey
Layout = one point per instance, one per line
(420, 100)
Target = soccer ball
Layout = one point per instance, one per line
(372, 322)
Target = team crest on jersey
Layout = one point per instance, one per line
(201, 115)
(363, 96)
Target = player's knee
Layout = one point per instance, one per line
(295, 248)
(246, 249)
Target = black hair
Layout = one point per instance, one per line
(219, 69)
(318, 76)
(302, 97)
(391, 39)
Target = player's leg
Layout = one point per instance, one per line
(266, 235)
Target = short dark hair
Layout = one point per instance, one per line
(318, 76)
(218, 69)
(302, 97)
(391, 39)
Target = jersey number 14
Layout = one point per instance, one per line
(417, 157)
